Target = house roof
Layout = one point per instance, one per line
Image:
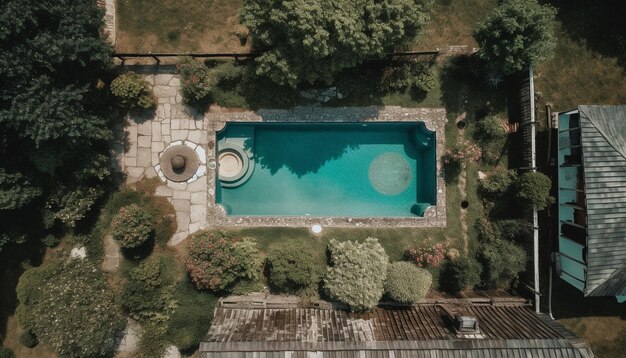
(507, 329)
(603, 137)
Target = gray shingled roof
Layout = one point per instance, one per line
(604, 161)
(507, 329)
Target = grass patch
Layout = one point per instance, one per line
(451, 24)
(178, 26)
(576, 75)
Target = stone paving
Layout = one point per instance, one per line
(148, 136)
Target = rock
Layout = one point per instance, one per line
(171, 352)
(481, 175)
(78, 253)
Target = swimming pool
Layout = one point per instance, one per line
(326, 169)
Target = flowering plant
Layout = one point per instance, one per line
(462, 153)
(196, 82)
(427, 255)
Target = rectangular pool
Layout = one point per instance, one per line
(326, 169)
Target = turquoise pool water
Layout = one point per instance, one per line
(329, 169)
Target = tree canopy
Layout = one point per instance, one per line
(311, 40)
(517, 35)
(52, 135)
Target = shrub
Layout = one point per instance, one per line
(132, 91)
(489, 129)
(28, 339)
(406, 283)
(497, 182)
(357, 275)
(51, 240)
(148, 272)
(513, 229)
(132, 226)
(191, 319)
(516, 35)
(457, 275)
(196, 81)
(70, 308)
(462, 153)
(292, 270)
(533, 188)
(6, 352)
(217, 261)
(416, 76)
(427, 255)
(502, 261)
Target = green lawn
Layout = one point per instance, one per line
(577, 75)
(178, 26)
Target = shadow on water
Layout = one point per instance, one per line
(305, 155)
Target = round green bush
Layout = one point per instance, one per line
(502, 261)
(457, 275)
(357, 275)
(497, 182)
(132, 91)
(490, 128)
(533, 188)
(407, 283)
(217, 261)
(292, 270)
(132, 226)
(28, 339)
(6, 352)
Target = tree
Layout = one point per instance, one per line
(69, 307)
(51, 122)
(357, 275)
(533, 188)
(311, 40)
(517, 35)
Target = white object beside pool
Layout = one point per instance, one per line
(316, 229)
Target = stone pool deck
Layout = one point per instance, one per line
(148, 135)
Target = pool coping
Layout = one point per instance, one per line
(433, 118)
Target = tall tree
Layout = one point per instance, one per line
(311, 40)
(52, 134)
(517, 35)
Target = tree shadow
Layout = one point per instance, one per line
(607, 35)
(140, 252)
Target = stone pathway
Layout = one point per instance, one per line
(112, 255)
(147, 137)
(128, 340)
